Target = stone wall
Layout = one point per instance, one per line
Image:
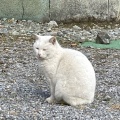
(62, 10)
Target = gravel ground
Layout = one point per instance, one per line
(23, 90)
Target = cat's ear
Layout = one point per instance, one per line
(52, 40)
(35, 36)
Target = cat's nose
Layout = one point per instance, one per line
(39, 55)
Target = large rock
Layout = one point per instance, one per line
(103, 38)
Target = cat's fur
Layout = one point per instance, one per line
(70, 73)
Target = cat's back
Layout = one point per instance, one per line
(75, 57)
(73, 61)
(73, 53)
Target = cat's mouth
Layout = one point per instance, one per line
(40, 58)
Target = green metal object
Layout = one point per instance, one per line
(114, 44)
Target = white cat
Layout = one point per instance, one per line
(70, 73)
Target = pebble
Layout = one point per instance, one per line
(49, 30)
(75, 27)
(52, 24)
(76, 18)
(1, 26)
(54, 33)
(59, 33)
(15, 33)
(4, 19)
(4, 30)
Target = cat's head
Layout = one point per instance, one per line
(45, 46)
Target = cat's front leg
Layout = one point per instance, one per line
(51, 99)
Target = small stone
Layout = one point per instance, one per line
(83, 39)
(31, 31)
(76, 18)
(2, 118)
(9, 28)
(2, 26)
(4, 19)
(109, 27)
(52, 24)
(1, 62)
(29, 21)
(23, 20)
(59, 33)
(103, 38)
(12, 112)
(53, 33)
(65, 31)
(4, 31)
(49, 30)
(85, 33)
(75, 27)
(15, 33)
(107, 98)
(74, 37)
(11, 20)
(22, 31)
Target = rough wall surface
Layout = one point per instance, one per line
(62, 10)
(11, 8)
(37, 10)
(85, 9)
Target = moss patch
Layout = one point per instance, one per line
(115, 44)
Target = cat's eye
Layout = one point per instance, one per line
(37, 48)
(44, 49)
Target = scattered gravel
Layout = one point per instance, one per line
(23, 89)
(77, 32)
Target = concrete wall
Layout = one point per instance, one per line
(85, 9)
(37, 10)
(60, 10)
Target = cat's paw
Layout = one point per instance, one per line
(50, 100)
